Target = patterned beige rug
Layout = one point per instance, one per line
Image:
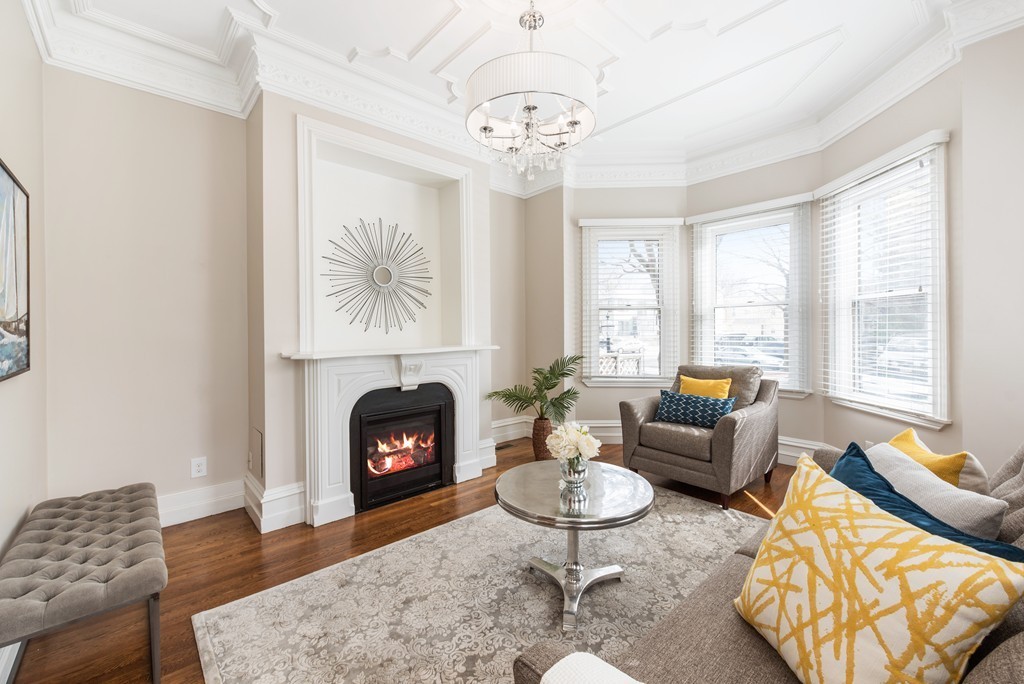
(457, 604)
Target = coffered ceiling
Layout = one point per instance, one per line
(689, 89)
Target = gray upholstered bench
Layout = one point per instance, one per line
(81, 556)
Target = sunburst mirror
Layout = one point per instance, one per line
(377, 276)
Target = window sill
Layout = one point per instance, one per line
(794, 394)
(661, 383)
(903, 416)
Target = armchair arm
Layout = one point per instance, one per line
(826, 456)
(745, 444)
(532, 663)
(635, 413)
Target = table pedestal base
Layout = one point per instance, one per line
(574, 578)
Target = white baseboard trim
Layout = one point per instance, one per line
(507, 429)
(608, 431)
(790, 449)
(276, 508)
(193, 504)
(486, 453)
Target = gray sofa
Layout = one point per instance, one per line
(742, 447)
(703, 639)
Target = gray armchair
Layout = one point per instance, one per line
(742, 447)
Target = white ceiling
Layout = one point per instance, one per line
(683, 83)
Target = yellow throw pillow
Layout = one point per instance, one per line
(716, 389)
(846, 592)
(961, 470)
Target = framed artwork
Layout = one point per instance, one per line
(14, 336)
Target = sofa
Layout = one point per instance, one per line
(742, 447)
(704, 639)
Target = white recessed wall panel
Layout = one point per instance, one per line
(343, 195)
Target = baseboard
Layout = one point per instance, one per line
(790, 449)
(507, 429)
(275, 508)
(608, 431)
(193, 504)
(8, 659)
(486, 454)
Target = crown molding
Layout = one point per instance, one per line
(253, 56)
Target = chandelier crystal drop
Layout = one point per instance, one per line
(529, 108)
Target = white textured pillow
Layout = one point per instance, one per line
(584, 668)
(970, 512)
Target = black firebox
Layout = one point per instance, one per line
(403, 443)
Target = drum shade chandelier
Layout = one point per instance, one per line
(529, 108)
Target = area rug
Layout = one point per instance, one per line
(457, 603)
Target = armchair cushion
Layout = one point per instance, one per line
(690, 409)
(746, 380)
(686, 440)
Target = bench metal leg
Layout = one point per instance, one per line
(154, 636)
(18, 655)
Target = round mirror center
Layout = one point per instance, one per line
(383, 276)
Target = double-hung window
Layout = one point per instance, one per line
(883, 288)
(630, 302)
(750, 291)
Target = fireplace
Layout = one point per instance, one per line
(403, 443)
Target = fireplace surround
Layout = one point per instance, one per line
(402, 444)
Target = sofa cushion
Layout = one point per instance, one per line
(960, 470)
(746, 380)
(690, 409)
(976, 514)
(750, 547)
(703, 639)
(855, 471)
(687, 440)
(849, 592)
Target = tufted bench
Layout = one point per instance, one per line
(80, 556)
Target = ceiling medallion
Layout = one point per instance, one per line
(529, 108)
(377, 277)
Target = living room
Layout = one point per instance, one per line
(200, 181)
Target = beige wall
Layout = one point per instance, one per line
(147, 319)
(282, 392)
(508, 294)
(992, 245)
(254, 284)
(23, 398)
(545, 254)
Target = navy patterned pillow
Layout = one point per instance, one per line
(689, 409)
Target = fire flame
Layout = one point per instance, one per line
(397, 454)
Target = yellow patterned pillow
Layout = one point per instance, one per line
(846, 592)
(961, 470)
(716, 389)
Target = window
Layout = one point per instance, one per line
(630, 303)
(750, 293)
(883, 266)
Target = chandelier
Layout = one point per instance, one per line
(529, 108)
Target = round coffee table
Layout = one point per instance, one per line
(615, 497)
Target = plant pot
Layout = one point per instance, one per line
(541, 430)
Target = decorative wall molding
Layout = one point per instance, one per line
(254, 55)
(275, 508)
(193, 504)
(791, 448)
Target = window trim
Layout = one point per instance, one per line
(939, 417)
(666, 229)
(752, 216)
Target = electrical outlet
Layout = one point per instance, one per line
(198, 467)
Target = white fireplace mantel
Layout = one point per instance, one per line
(318, 355)
(334, 383)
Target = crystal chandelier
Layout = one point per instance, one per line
(529, 108)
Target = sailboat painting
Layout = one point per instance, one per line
(14, 351)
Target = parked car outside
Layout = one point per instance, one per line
(626, 345)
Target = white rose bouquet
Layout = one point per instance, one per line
(570, 441)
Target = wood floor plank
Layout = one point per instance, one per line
(223, 558)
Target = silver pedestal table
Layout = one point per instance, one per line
(615, 497)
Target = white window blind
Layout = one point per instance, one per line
(883, 288)
(630, 304)
(750, 293)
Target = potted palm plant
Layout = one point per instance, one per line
(522, 398)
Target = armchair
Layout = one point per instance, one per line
(743, 446)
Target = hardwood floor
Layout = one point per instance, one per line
(216, 560)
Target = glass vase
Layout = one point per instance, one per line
(574, 473)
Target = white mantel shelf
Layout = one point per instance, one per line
(316, 356)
